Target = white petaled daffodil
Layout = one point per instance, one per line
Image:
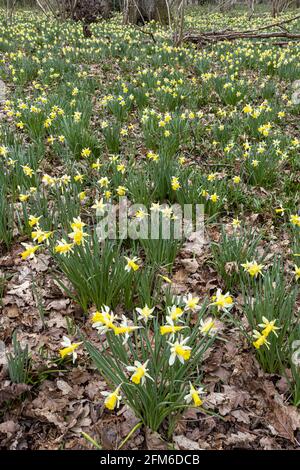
(170, 328)
(191, 303)
(175, 312)
(100, 207)
(69, 348)
(253, 268)
(78, 236)
(145, 313)
(194, 395)
(140, 214)
(207, 327)
(268, 326)
(222, 301)
(104, 321)
(140, 372)
(63, 247)
(131, 264)
(179, 350)
(29, 251)
(125, 329)
(112, 399)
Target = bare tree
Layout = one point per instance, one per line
(85, 11)
(251, 4)
(279, 6)
(178, 20)
(142, 11)
(10, 9)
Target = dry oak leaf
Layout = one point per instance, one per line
(241, 416)
(154, 441)
(12, 391)
(284, 419)
(64, 387)
(190, 265)
(59, 304)
(240, 438)
(9, 427)
(183, 443)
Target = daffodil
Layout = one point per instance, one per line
(214, 197)
(170, 328)
(125, 329)
(69, 348)
(23, 197)
(194, 395)
(253, 268)
(191, 303)
(27, 170)
(175, 183)
(140, 372)
(153, 156)
(279, 210)
(40, 236)
(167, 212)
(104, 320)
(121, 190)
(112, 399)
(247, 109)
(3, 151)
(100, 207)
(77, 116)
(48, 180)
(166, 279)
(82, 196)
(64, 247)
(212, 176)
(297, 272)
(180, 350)
(33, 220)
(207, 327)
(260, 340)
(78, 236)
(29, 251)
(295, 220)
(104, 182)
(77, 224)
(140, 214)
(222, 301)
(175, 312)
(131, 264)
(79, 178)
(236, 223)
(145, 313)
(121, 168)
(268, 327)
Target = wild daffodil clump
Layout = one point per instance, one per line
(152, 359)
(88, 121)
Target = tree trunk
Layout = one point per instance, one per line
(142, 11)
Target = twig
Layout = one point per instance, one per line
(146, 32)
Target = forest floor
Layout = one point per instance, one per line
(85, 121)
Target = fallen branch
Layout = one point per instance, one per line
(274, 25)
(229, 35)
(212, 37)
